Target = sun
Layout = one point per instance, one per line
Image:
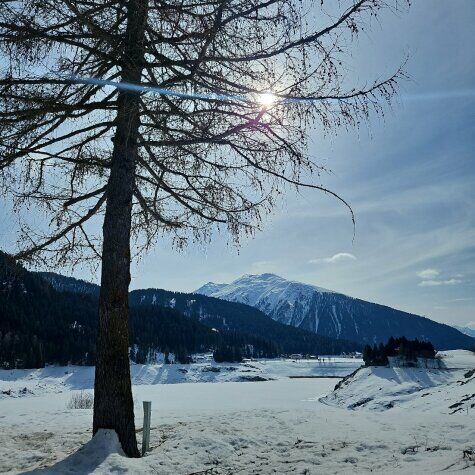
(266, 99)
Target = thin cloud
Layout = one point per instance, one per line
(428, 274)
(339, 257)
(434, 283)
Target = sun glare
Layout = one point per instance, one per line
(266, 99)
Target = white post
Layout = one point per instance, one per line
(147, 414)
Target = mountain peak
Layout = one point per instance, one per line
(267, 292)
(268, 279)
(209, 288)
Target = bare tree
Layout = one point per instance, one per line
(186, 136)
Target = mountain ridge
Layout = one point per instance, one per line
(41, 325)
(333, 314)
(221, 315)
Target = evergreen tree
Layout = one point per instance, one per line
(181, 356)
(408, 350)
(368, 355)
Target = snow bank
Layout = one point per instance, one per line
(461, 359)
(102, 454)
(381, 388)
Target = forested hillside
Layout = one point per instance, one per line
(224, 316)
(40, 325)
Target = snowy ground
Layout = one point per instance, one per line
(279, 426)
(56, 379)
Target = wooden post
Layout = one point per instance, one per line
(147, 414)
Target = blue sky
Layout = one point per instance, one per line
(410, 179)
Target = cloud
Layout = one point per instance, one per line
(428, 273)
(340, 256)
(433, 283)
(430, 278)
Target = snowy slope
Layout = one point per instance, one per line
(450, 390)
(332, 314)
(210, 288)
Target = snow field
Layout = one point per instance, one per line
(280, 426)
(30, 382)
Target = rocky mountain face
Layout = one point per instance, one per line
(332, 314)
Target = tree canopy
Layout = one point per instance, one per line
(219, 151)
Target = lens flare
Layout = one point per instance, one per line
(266, 99)
(145, 88)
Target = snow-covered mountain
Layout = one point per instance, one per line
(286, 301)
(332, 314)
(210, 288)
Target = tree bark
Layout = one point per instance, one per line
(113, 403)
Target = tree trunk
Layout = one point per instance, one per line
(113, 403)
